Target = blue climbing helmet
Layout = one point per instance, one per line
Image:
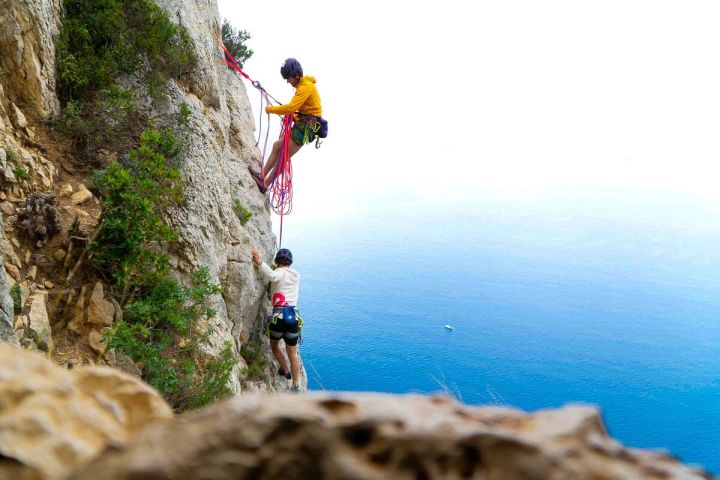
(283, 257)
(291, 68)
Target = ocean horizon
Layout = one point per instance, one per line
(607, 300)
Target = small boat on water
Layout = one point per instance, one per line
(448, 326)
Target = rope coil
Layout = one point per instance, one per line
(281, 191)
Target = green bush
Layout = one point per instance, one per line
(163, 321)
(214, 375)
(109, 119)
(16, 295)
(255, 359)
(147, 347)
(243, 213)
(135, 198)
(103, 39)
(184, 114)
(21, 173)
(100, 41)
(234, 41)
(161, 332)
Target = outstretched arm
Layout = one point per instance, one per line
(301, 95)
(267, 272)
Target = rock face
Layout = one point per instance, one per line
(220, 148)
(28, 53)
(52, 419)
(367, 436)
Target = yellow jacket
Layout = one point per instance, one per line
(306, 100)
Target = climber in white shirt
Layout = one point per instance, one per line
(285, 322)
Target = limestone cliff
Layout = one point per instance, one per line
(41, 186)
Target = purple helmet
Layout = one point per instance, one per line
(283, 257)
(291, 68)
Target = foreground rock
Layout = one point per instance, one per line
(367, 436)
(53, 420)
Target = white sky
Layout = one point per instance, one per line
(464, 97)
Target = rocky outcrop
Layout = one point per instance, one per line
(53, 420)
(373, 436)
(39, 323)
(92, 314)
(27, 62)
(95, 422)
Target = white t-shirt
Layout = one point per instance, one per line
(284, 285)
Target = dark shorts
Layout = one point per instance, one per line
(279, 329)
(304, 130)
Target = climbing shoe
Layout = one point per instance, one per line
(283, 373)
(295, 389)
(259, 180)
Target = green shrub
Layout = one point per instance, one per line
(147, 347)
(109, 119)
(234, 41)
(21, 173)
(16, 295)
(135, 198)
(161, 331)
(243, 213)
(164, 322)
(214, 376)
(100, 41)
(184, 114)
(103, 39)
(255, 359)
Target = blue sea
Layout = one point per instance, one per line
(610, 299)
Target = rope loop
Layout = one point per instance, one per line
(281, 184)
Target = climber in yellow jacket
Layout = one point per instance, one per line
(308, 112)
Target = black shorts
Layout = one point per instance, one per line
(290, 332)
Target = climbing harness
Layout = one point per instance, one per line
(287, 316)
(314, 128)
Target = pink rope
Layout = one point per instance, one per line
(281, 185)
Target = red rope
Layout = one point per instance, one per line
(281, 184)
(265, 97)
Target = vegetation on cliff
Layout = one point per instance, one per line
(102, 41)
(234, 40)
(164, 323)
(108, 54)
